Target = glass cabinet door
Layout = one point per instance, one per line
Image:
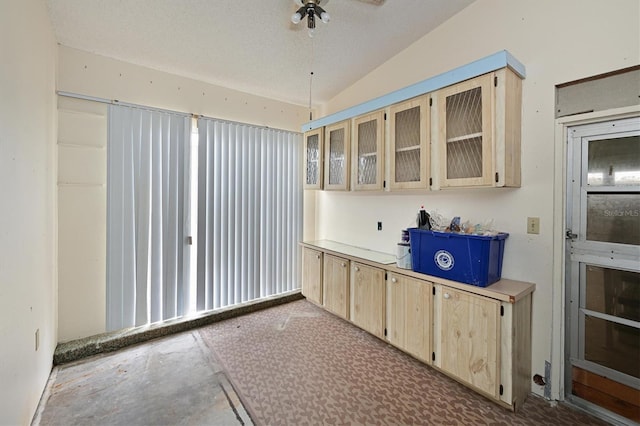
(368, 165)
(313, 159)
(337, 146)
(409, 134)
(465, 132)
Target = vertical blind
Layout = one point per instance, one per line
(147, 216)
(249, 212)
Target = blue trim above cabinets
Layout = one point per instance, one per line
(485, 65)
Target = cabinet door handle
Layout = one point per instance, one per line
(447, 295)
(356, 268)
(317, 256)
(394, 280)
(344, 264)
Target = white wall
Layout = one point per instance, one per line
(557, 41)
(82, 209)
(88, 74)
(27, 213)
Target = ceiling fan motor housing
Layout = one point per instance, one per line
(310, 9)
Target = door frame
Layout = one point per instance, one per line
(559, 311)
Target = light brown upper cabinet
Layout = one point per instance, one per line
(409, 137)
(313, 159)
(368, 152)
(336, 156)
(479, 131)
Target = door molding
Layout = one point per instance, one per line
(558, 331)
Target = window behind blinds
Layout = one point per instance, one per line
(249, 212)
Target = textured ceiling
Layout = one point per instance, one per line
(250, 45)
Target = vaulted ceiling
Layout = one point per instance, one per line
(251, 45)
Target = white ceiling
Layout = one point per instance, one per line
(250, 45)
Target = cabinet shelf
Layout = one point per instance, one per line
(465, 137)
(408, 148)
(367, 154)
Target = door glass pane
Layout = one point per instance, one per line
(616, 346)
(613, 292)
(613, 217)
(336, 157)
(313, 157)
(367, 147)
(464, 134)
(614, 162)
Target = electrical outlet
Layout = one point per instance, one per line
(37, 339)
(379, 226)
(533, 225)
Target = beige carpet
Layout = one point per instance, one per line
(297, 364)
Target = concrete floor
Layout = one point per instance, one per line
(173, 380)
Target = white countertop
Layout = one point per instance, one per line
(506, 290)
(363, 253)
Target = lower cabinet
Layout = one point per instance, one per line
(480, 341)
(467, 338)
(368, 298)
(312, 275)
(409, 307)
(484, 343)
(335, 285)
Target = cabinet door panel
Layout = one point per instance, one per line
(409, 135)
(466, 132)
(469, 338)
(409, 306)
(418, 319)
(396, 303)
(368, 298)
(313, 159)
(336, 158)
(368, 164)
(335, 285)
(312, 275)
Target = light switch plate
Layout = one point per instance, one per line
(533, 225)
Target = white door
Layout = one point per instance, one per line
(603, 262)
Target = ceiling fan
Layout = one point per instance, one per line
(312, 9)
